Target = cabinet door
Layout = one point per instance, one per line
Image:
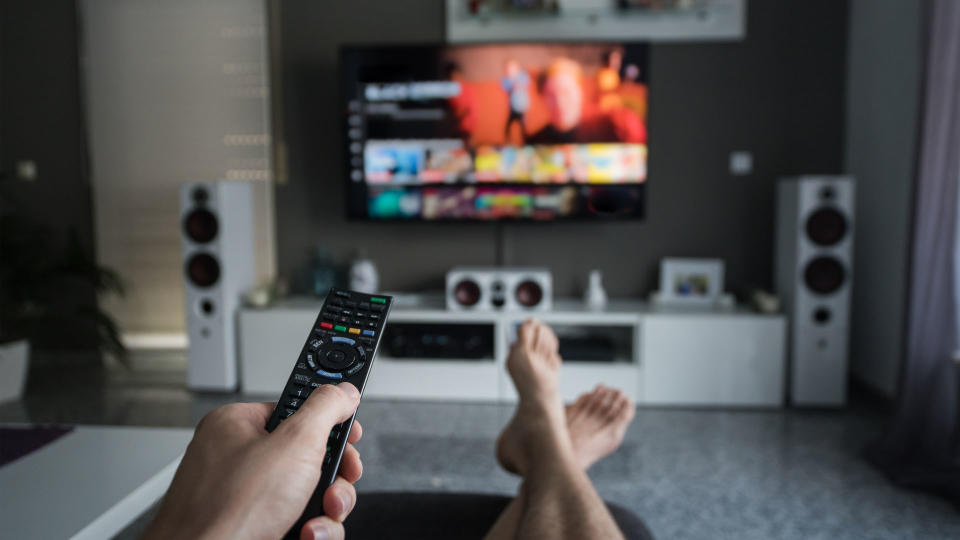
(692, 359)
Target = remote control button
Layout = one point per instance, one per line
(338, 358)
(287, 413)
(372, 325)
(294, 403)
(357, 322)
(315, 344)
(299, 392)
(354, 330)
(344, 319)
(311, 360)
(333, 309)
(327, 374)
(350, 303)
(340, 328)
(378, 308)
(336, 302)
(375, 300)
(346, 313)
(357, 367)
(366, 340)
(326, 325)
(362, 314)
(364, 305)
(344, 340)
(370, 333)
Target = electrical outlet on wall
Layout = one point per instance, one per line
(27, 170)
(741, 162)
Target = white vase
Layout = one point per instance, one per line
(595, 296)
(364, 277)
(14, 361)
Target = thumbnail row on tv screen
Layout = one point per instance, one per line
(506, 131)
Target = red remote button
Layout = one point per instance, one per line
(326, 325)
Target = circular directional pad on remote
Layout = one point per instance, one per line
(338, 357)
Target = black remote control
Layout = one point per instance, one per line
(340, 348)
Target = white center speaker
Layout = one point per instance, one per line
(814, 269)
(219, 265)
(490, 288)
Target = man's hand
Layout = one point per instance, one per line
(238, 481)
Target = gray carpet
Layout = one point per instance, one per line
(690, 474)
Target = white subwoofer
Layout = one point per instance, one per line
(814, 269)
(217, 234)
(507, 289)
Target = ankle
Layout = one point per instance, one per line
(546, 409)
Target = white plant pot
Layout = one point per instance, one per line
(14, 364)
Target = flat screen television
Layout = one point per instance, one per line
(496, 131)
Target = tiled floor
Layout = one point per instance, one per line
(691, 474)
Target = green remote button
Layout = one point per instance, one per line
(376, 300)
(340, 328)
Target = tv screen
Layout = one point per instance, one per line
(490, 132)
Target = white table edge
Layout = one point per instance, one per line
(128, 509)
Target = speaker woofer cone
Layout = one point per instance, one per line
(203, 270)
(528, 293)
(824, 275)
(826, 227)
(467, 293)
(201, 226)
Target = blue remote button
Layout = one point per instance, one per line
(368, 332)
(327, 374)
(341, 339)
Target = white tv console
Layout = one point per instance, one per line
(662, 357)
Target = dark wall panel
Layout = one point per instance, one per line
(779, 94)
(41, 120)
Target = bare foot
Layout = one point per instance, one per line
(534, 366)
(597, 422)
(534, 361)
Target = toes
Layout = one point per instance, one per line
(609, 401)
(578, 406)
(526, 333)
(594, 400)
(624, 410)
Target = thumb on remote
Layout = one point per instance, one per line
(326, 406)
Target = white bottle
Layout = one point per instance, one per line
(595, 297)
(363, 275)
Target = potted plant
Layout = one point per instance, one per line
(46, 288)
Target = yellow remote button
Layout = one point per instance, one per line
(354, 330)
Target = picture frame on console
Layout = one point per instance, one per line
(690, 282)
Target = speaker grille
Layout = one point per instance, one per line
(201, 226)
(826, 227)
(528, 293)
(467, 292)
(203, 270)
(824, 275)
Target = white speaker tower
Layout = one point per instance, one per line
(814, 269)
(219, 265)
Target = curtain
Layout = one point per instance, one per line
(920, 447)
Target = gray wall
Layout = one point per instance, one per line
(778, 94)
(882, 122)
(197, 82)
